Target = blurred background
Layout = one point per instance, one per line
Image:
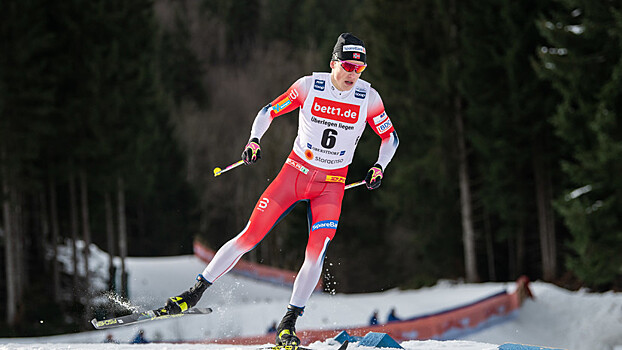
(114, 113)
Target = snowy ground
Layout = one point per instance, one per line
(556, 318)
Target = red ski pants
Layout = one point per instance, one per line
(297, 181)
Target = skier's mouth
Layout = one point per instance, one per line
(348, 82)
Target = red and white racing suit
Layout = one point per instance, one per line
(329, 127)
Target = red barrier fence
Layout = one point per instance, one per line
(443, 325)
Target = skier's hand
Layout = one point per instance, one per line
(252, 151)
(374, 177)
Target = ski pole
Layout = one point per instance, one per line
(218, 171)
(354, 184)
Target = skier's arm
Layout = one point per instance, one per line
(262, 123)
(379, 121)
(387, 149)
(288, 101)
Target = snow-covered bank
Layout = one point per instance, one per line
(556, 318)
(410, 345)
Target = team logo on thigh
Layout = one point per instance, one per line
(332, 224)
(263, 204)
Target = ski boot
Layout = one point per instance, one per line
(286, 331)
(187, 299)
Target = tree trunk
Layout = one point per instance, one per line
(546, 224)
(520, 251)
(110, 242)
(17, 224)
(9, 251)
(44, 240)
(86, 236)
(490, 249)
(122, 234)
(512, 268)
(55, 239)
(468, 232)
(74, 232)
(466, 210)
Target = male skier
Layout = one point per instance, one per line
(334, 107)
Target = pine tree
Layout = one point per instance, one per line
(413, 67)
(507, 113)
(82, 103)
(583, 60)
(26, 95)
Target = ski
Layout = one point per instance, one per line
(282, 347)
(150, 315)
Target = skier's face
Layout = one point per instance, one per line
(342, 79)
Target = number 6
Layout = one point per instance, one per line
(329, 138)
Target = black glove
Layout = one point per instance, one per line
(374, 177)
(252, 151)
(187, 299)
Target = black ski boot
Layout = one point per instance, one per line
(187, 299)
(286, 331)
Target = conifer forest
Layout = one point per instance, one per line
(114, 113)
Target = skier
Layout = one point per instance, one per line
(334, 110)
(373, 320)
(392, 317)
(140, 338)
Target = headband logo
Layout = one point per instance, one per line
(355, 48)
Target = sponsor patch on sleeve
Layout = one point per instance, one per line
(384, 126)
(380, 118)
(281, 105)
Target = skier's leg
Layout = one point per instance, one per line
(272, 205)
(324, 218)
(324, 213)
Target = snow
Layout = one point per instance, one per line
(243, 307)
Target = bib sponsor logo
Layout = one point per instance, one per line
(355, 48)
(328, 161)
(331, 124)
(325, 151)
(308, 154)
(319, 85)
(339, 111)
(360, 93)
(384, 127)
(332, 224)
